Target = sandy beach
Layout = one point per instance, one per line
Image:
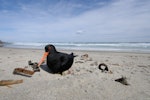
(85, 82)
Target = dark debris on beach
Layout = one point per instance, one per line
(1, 43)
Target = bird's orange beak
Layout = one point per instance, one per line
(43, 58)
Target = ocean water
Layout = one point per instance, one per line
(91, 46)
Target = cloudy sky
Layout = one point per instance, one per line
(75, 20)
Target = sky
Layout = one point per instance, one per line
(75, 20)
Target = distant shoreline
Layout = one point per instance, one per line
(68, 50)
(138, 47)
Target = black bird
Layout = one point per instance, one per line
(58, 62)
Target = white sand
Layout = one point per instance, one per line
(86, 82)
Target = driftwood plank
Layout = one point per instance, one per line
(10, 82)
(23, 72)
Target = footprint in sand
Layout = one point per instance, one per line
(89, 71)
(142, 66)
(78, 70)
(116, 64)
(79, 62)
(107, 60)
(94, 63)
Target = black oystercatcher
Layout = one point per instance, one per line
(57, 61)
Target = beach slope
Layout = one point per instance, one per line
(85, 82)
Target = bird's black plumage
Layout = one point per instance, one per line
(58, 61)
